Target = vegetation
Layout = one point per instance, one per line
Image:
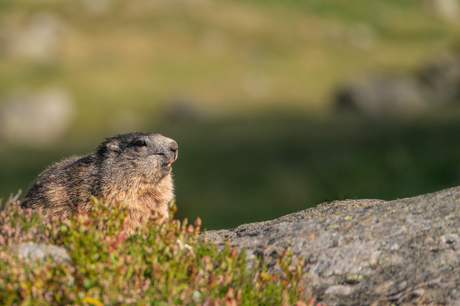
(166, 264)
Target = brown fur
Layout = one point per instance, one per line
(131, 169)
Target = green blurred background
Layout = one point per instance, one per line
(247, 88)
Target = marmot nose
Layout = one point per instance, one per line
(174, 147)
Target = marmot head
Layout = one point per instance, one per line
(145, 157)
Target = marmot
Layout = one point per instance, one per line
(130, 169)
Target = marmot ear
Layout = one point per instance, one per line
(112, 146)
(108, 146)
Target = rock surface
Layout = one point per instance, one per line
(367, 252)
(38, 38)
(39, 251)
(448, 10)
(36, 118)
(382, 96)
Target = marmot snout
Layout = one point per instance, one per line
(128, 169)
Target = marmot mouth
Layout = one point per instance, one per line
(168, 164)
(173, 160)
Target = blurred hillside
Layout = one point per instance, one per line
(247, 88)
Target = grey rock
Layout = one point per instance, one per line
(448, 10)
(324, 209)
(39, 39)
(434, 84)
(36, 118)
(441, 75)
(450, 238)
(366, 252)
(339, 290)
(38, 251)
(384, 96)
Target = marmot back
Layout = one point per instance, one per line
(130, 169)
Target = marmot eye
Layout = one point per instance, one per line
(140, 143)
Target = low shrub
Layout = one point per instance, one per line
(162, 264)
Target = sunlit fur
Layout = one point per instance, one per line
(128, 169)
